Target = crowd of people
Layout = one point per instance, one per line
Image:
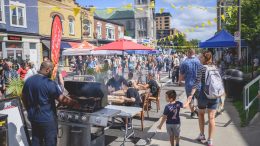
(181, 67)
(12, 69)
(153, 64)
(194, 70)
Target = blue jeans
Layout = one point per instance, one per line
(204, 102)
(44, 134)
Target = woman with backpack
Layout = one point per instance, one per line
(205, 98)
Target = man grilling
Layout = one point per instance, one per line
(39, 94)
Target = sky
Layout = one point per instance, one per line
(181, 19)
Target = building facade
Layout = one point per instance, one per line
(127, 18)
(87, 26)
(70, 23)
(107, 31)
(163, 25)
(144, 21)
(19, 30)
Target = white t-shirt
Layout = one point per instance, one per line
(176, 62)
(30, 73)
(256, 62)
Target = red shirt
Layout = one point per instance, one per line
(22, 72)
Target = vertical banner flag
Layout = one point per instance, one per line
(56, 34)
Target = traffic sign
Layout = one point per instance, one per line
(237, 36)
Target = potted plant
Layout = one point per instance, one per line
(15, 87)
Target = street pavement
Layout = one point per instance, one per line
(227, 133)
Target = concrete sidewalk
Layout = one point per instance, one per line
(228, 131)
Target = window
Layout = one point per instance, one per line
(2, 11)
(99, 30)
(71, 26)
(18, 14)
(110, 32)
(142, 34)
(14, 45)
(32, 46)
(120, 33)
(87, 28)
(141, 2)
(142, 23)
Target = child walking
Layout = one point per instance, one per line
(172, 117)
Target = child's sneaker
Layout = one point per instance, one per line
(210, 142)
(201, 138)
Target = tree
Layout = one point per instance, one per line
(194, 42)
(250, 21)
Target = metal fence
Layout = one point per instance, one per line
(250, 94)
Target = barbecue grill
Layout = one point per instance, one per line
(85, 124)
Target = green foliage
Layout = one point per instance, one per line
(104, 68)
(15, 87)
(91, 71)
(242, 113)
(250, 19)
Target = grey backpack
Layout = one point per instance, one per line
(214, 87)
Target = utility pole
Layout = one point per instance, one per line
(239, 28)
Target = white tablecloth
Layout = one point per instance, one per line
(125, 110)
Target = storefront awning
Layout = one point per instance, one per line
(62, 46)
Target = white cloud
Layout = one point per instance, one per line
(188, 19)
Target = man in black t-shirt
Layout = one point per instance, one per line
(38, 95)
(152, 85)
(133, 94)
(80, 65)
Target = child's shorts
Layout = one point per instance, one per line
(173, 129)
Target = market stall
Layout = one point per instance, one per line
(123, 45)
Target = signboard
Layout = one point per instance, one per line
(56, 34)
(237, 36)
(17, 129)
(14, 38)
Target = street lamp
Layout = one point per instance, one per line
(239, 28)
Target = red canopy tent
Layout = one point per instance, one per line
(83, 48)
(83, 45)
(123, 45)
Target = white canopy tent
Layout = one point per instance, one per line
(76, 52)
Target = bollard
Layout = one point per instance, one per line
(259, 98)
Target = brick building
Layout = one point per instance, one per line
(107, 31)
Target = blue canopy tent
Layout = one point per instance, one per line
(222, 39)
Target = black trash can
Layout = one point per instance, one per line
(236, 84)
(3, 130)
(226, 81)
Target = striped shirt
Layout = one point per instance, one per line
(200, 78)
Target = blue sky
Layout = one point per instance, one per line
(181, 19)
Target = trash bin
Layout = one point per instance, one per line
(226, 81)
(236, 84)
(3, 130)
